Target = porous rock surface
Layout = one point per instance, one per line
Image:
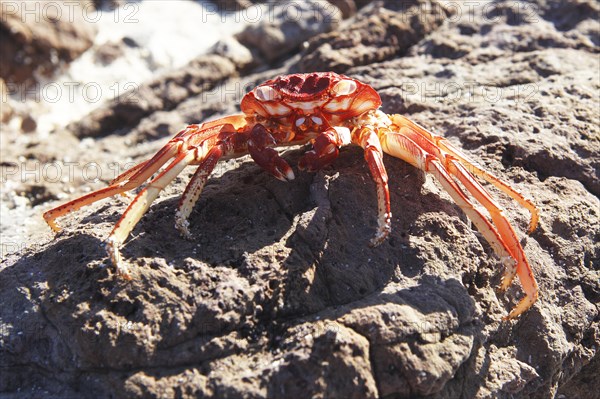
(279, 296)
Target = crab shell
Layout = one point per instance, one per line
(323, 94)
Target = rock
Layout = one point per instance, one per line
(107, 4)
(503, 372)
(346, 7)
(162, 94)
(28, 124)
(278, 293)
(235, 5)
(241, 56)
(6, 109)
(37, 38)
(108, 52)
(382, 31)
(287, 25)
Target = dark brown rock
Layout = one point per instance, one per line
(28, 124)
(162, 94)
(37, 37)
(346, 7)
(382, 31)
(235, 5)
(286, 25)
(109, 52)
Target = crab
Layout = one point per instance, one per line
(329, 111)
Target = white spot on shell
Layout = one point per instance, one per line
(308, 106)
(344, 87)
(266, 93)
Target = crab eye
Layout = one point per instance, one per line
(266, 93)
(344, 87)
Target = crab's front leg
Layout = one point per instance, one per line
(210, 144)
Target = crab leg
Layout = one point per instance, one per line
(502, 238)
(509, 236)
(444, 144)
(132, 173)
(325, 149)
(138, 174)
(369, 141)
(194, 188)
(192, 154)
(139, 206)
(128, 173)
(406, 149)
(125, 182)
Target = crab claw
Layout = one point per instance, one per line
(267, 157)
(270, 160)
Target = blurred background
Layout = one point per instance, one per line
(60, 60)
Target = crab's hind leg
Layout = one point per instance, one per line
(500, 237)
(506, 231)
(139, 206)
(460, 166)
(447, 146)
(400, 146)
(128, 180)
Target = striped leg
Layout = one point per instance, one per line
(500, 234)
(194, 188)
(444, 144)
(125, 176)
(506, 231)
(127, 181)
(368, 140)
(191, 136)
(138, 207)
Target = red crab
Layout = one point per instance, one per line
(329, 111)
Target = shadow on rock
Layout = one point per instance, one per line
(271, 263)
